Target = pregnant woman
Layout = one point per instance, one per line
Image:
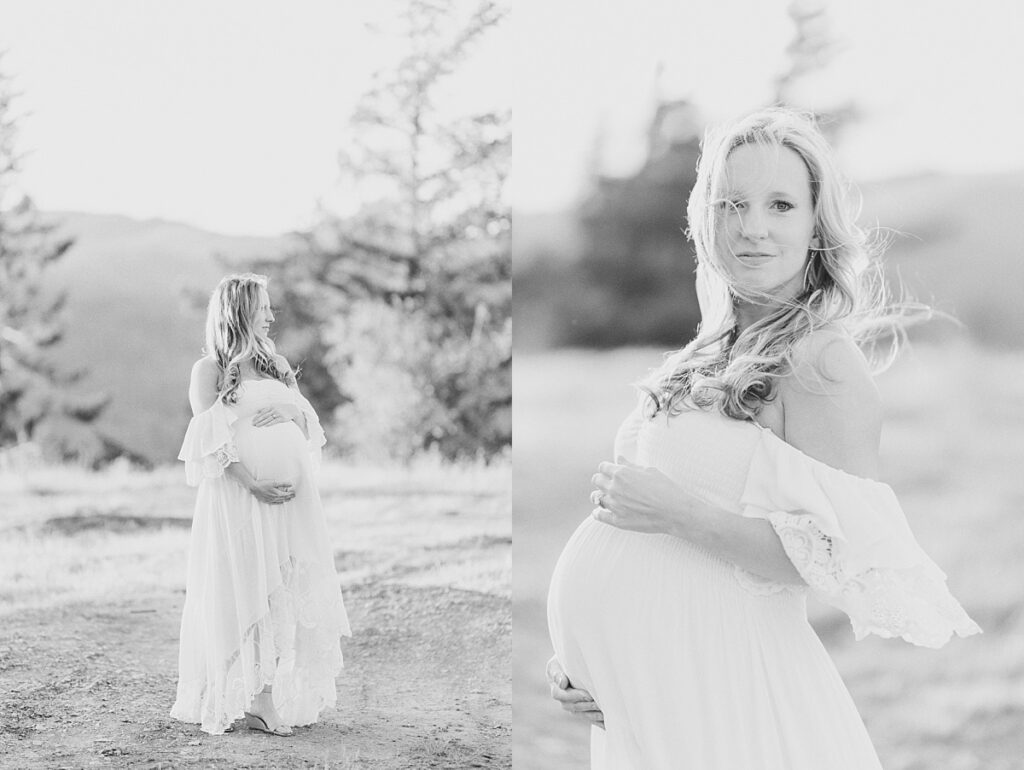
(745, 477)
(263, 612)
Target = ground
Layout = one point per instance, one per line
(88, 654)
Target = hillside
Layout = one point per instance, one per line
(129, 323)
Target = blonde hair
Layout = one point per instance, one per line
(737, 371)
(230, 336)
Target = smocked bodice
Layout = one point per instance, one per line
(705, 452)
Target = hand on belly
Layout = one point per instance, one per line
(272, 452)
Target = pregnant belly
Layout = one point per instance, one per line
(613, 591)
(273, 452)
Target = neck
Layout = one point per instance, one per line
(748, 313)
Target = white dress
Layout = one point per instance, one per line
(700, 665)
(262, 601)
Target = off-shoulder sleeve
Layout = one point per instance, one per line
(209, 446)
(314, 430)
(850, 541)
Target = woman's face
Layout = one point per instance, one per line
(264, 316)
(767, 219)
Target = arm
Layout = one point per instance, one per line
(831, 413)
(278, 413)
(844, 531)
(646, 500)
(832, 410)
(202, 386)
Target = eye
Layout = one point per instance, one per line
(732, 205)
(781, 205)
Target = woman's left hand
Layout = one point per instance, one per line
(630, 496)
(276, 413)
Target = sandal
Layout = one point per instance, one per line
(256, 722)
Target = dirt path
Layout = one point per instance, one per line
(426, 685)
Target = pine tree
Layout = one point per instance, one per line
(414, 283)
(811, 50)
(37, 400)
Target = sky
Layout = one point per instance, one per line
(227, 115)
(938, 82)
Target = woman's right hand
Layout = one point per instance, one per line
(272, 492)
(573, 699)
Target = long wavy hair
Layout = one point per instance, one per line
(230, 336)
(737, 371)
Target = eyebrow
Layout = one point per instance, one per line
(771, 194)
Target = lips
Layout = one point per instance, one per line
(754, 258)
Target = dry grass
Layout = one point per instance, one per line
(953, 449)
(74, 535)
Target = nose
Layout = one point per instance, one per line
(270, 316)
(754, 224)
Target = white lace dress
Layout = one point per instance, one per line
(262, 602)
(700, 665)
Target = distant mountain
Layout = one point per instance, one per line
(128, 321)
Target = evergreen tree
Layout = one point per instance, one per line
(637, 267)
(811, 50)
(37, 400)
(413, 284)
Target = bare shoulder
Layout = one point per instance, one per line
(831, 405)
(205, 370)
(202, 389)
(282, 362)
(289, 373)
(829, 361)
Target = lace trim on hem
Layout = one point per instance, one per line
(268, 647)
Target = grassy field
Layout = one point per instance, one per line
(953, 449)
(92, 569)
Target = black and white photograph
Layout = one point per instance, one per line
(346, 423)
(255, 384)
(767, 386)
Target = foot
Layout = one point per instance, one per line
(263, 716)
(256, 722)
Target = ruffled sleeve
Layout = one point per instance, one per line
(317, 437)
(209, 446)
(850, 541)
